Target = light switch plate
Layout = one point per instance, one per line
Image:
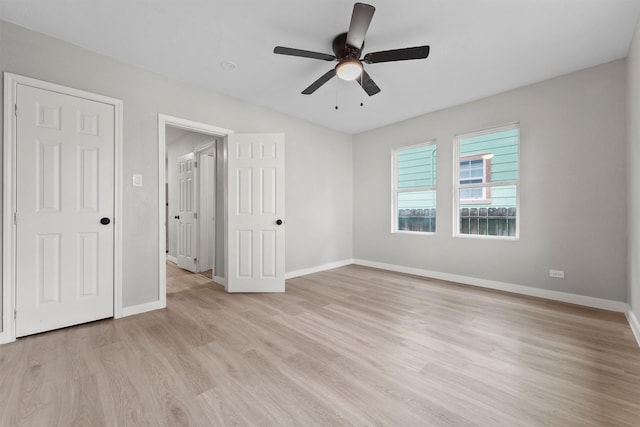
(137, 180)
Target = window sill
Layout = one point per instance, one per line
(415, 233)
(485, 237)
(475, 202)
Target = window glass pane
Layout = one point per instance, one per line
(417, 167)
(417, 211)
(496, 217)
(471, 169)
(499, 150)
(472, 194)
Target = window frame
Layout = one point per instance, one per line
(487, 184)
(395, 191)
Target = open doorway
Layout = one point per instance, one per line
(190, 199)
(249, 223)
(191, 192)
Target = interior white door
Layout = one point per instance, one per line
(64, 210)
(187, 216)
(256, 227)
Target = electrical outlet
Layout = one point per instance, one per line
(558, 274)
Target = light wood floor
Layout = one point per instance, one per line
(351, 346)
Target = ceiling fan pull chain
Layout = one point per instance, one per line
(336, 86)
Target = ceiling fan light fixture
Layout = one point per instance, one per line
(349, 69)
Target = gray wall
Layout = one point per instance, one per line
(572, 188)
(318, 178)
(633, 194)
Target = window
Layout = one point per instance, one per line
(414, 188)
(486, 187)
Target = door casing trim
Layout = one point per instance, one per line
(11, 82)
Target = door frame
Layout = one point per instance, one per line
(165, 120)
(11, 82)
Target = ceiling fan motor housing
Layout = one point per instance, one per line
(343, 51)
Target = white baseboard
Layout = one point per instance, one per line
(600, 303)
(317, 269)
(142, 308)
(172, 259)
(220, 280)
(126, 311)
(583, 300)
(633, 322)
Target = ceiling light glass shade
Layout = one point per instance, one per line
(349, 69)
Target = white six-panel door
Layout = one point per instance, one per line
(187, 221)
(64, 189)
(256, 213)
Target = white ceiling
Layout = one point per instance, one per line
(478, 47)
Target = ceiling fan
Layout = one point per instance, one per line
(347, 48)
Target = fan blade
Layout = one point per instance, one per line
(368, 84)
(418, 52)
(322, 80)
(360, 20)
(303, 53)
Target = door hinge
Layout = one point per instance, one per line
(15, 110)
(15, 218)
(195, 164)
(195, 215)
(15, 314)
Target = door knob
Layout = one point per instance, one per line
(279, 222)
(105, 221)
(177, 217)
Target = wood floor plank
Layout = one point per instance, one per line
(125, 390)
(247, 399)
(77, 404)
(350, 346)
